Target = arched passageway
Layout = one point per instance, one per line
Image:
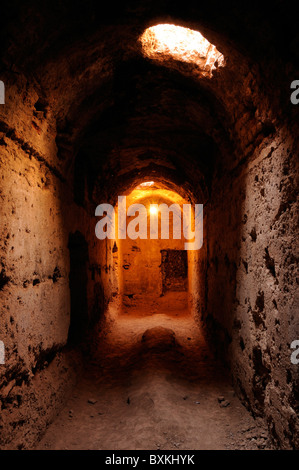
(162, 106)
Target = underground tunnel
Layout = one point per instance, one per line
(127, 339)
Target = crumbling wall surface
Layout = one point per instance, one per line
(34, 269)
(252, 281)
(38, 218)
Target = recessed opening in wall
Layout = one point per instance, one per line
(156, 272)
(168, 41)
(174, 267)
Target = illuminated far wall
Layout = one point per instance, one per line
(139, 261)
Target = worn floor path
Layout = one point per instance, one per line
(154, 385)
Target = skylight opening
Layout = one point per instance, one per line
(165, 41)
(147, 184)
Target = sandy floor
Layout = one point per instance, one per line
(154, 385)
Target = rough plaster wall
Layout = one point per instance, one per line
(141, 268)
(252, 281)
(34, 290)
(197, 261)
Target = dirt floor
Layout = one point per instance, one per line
(154, 385)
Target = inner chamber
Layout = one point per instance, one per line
(156, 271)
